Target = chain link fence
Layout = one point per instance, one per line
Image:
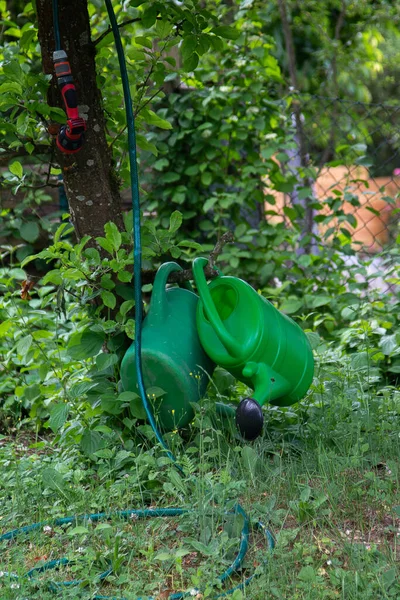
(356, 150)
(353, 150)
(349, 154)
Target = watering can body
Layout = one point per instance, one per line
(244, 333)
(172, 356)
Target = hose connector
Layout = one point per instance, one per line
(71, 136)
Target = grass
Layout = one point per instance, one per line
(325, 476)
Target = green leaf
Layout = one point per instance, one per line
(29, 231)
(155, 392)
(58, 416)
(22, 125)
(305, 494)
(110, 405)
(85, 344)
(360, 361)
(144, 144)
(122, 457)
(250, 460)
(141, 40)
(44, 254)
(209, 203)
(227, 32)
(204, 42)
(305, 260)
(305, 192)
(106, 282)
(91, 442)
(388, 344)
(10, 87)
(190, 64)
(79, 247)
(160, 164)
(216, 43)
(126, 307)
(124, 276)
(137, 409)
(153, 119)
(62, 231)
(182, 552)
(104, 361)
(113, 235)
(291, 305)
(5, 326)
(53, 479)
(320, 301)
(307, 574)
(29, 147)
(170, 177)
(149, 16)
(79, 530)
(163, 556)
(314, 339)
(202, 548)
(93, 255)
(127, 396)
(78, 390)
(108, 298)
(188, 46)
(53, 276)
(389, 577)
(24, 345)
(102, 526)
(105, 244)
(27, 37)
(16, 169)
(190, 244)
(13, 32)
(13, 71)
(163, 28)
(206, 178)
(175, 221)
(290, 211)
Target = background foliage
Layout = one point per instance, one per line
(214, 101)
(213, 113)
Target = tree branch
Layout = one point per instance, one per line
(331, 143)
(287, 32)
(107, 31)
(210, 271)
(7, 155)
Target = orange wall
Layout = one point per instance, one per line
(371, 231)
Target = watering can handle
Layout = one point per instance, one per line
(233, 347)
(158, 304)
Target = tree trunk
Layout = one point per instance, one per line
(89, 179)
(298, 158)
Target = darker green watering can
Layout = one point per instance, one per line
(172, 356)
(244, 333)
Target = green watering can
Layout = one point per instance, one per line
(172, 356)
(246, 335)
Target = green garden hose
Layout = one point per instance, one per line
(146, 513)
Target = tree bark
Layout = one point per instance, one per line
(89, 179)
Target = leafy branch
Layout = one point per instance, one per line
(6, 154)
(210, 271)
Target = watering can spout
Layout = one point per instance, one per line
(268, 384)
